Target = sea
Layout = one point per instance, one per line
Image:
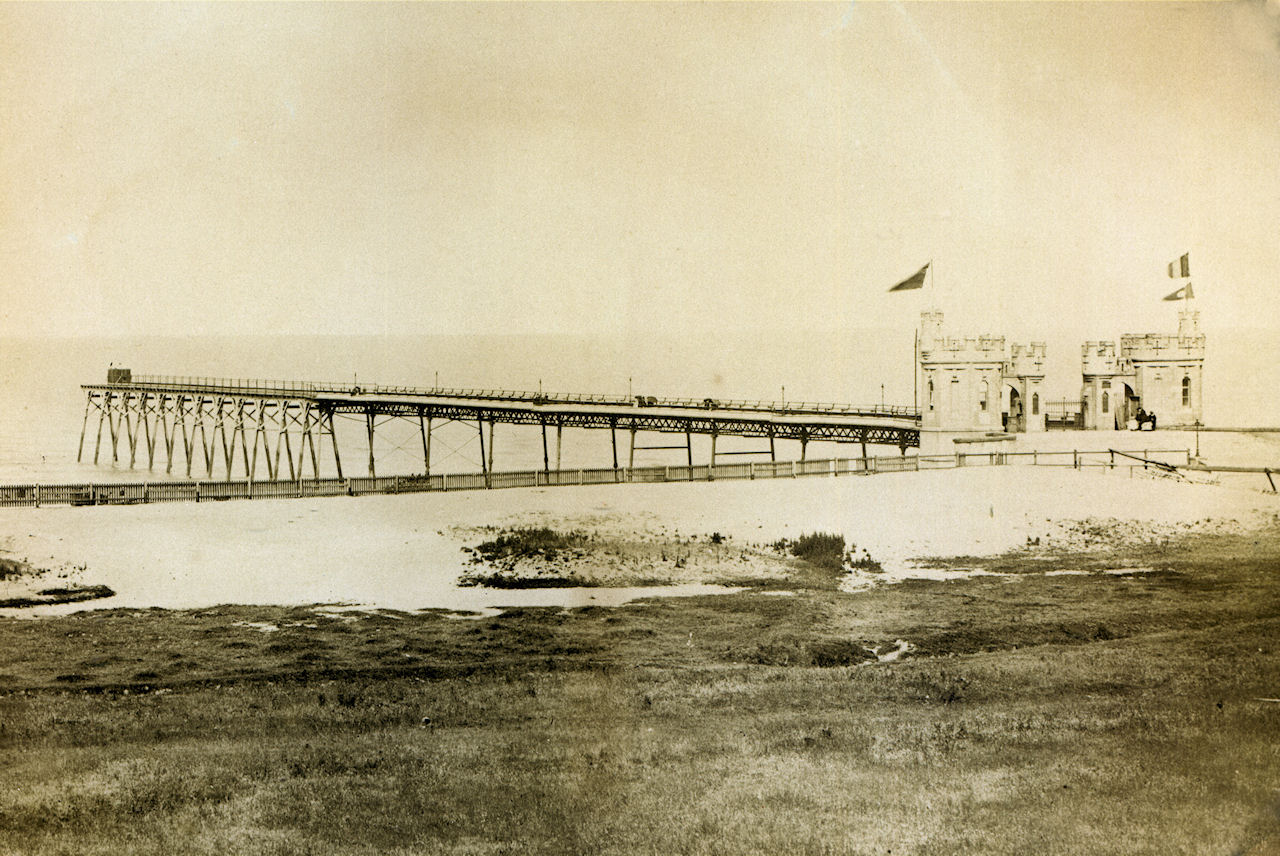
(43, 408)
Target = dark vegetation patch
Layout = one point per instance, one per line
(792, 650)
(521, 557)
(529, 542)
(10, 568)
(49, 596)
(507, 581)
(826, 551)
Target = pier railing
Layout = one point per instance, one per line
(130, 493)
(311, 389)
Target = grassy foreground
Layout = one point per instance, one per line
(1098, 713)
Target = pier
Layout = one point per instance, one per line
(282, 429)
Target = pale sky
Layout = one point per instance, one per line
(456, 168)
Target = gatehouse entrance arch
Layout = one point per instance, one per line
(1127, 410)
(1015, 418)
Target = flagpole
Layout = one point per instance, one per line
(915, 371)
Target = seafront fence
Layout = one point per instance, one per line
(129, 493)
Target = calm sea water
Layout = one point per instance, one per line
(42, 406)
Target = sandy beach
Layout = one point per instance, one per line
(406, 552)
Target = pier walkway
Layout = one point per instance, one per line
(231, 425)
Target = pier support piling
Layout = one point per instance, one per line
(83, 426)
(102, 415)
(546, 463)
(483, 466)
(424, 427)
(333, 441)
(492, 422)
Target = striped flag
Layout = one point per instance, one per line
(916, 280)
(1183, 293)
(1180, 268)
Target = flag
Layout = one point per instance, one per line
(1181, 293)
(1181, 267)
(916, 280)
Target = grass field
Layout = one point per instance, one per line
(1032, 712)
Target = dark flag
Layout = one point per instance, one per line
(1183, 293)
(916, 280)
(1181, 267)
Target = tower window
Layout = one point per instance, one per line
(1106, 402)
(1035, 404)
(1186, 391)
(983, 392)
(930, 395)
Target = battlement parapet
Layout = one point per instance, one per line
(963, 349)
(1098, 349)
(1154, 347)
(1026, 360)
(1099, 359)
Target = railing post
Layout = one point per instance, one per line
(36, 494)
(1075, 458)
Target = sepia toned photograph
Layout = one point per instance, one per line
(640, 428)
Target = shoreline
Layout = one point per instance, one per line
(407, 551)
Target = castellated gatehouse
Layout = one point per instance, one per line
(973, 386)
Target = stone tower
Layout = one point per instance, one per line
(1106, 398)
(960, 379)
(1168, 371)
(1159, 373)
(1025, 375)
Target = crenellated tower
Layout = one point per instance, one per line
(1024, 373)
(1168, 371)
(1107, 394)
(960, 377)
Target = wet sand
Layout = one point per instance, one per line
(406, 552)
